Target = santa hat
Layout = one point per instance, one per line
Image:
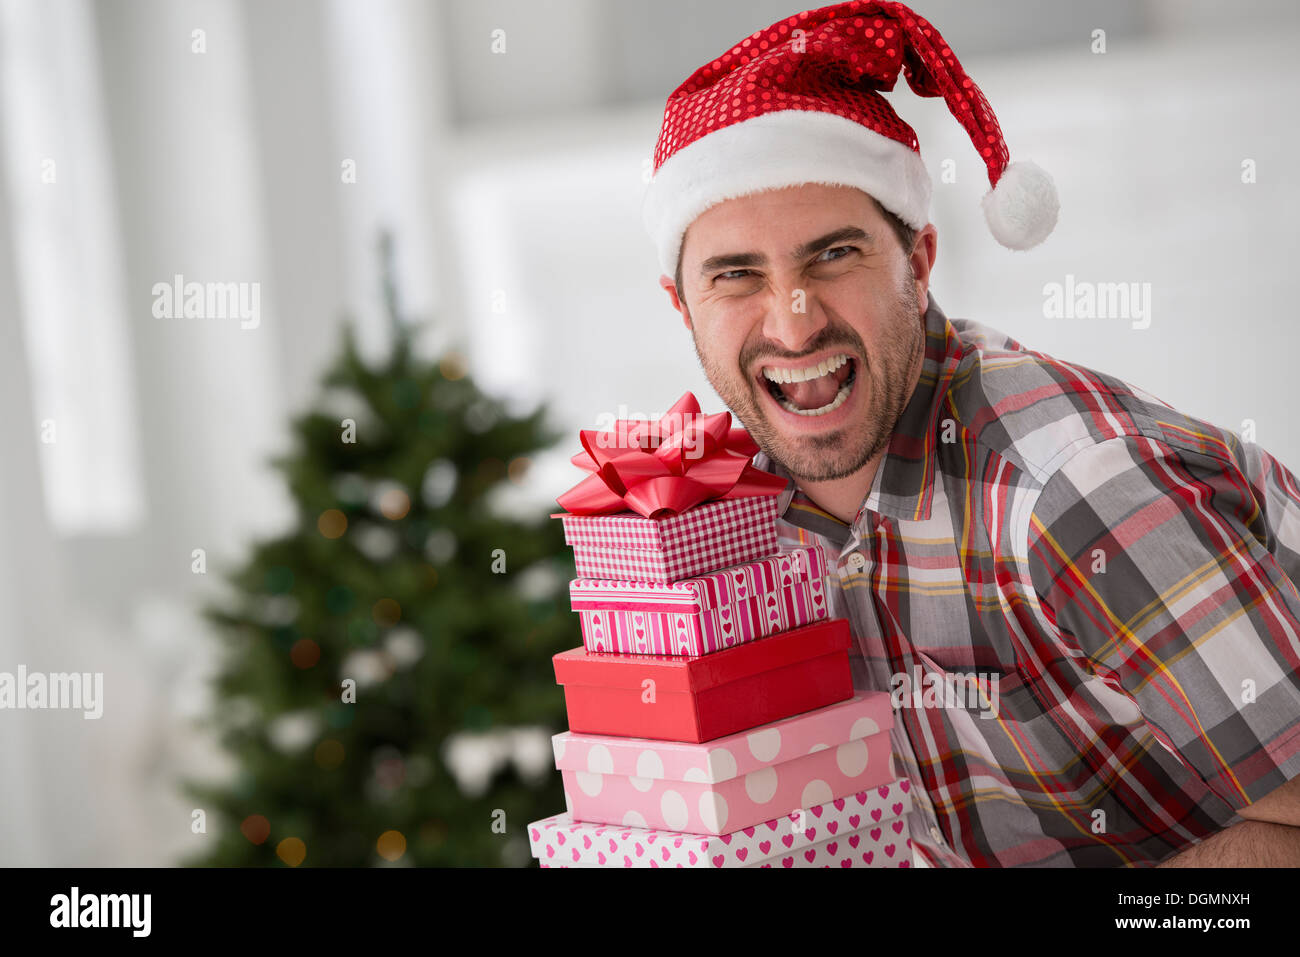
(800, 102)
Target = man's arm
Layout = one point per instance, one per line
(1154, 565)
(1248, 844)
(1269, 837)
(1280, 806)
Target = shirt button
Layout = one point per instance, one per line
(856, 561)
(937, 835)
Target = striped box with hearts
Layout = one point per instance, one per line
(701, 615)
(865, 829)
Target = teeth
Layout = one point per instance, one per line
(802, 375)
(829, 407)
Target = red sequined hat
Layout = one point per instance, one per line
(800, 102)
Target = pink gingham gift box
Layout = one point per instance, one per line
(705, 614)
(628, 547)
(730, 782)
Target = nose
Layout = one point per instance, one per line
(793, 320)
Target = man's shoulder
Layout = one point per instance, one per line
(1039, 411)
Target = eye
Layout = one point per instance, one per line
(842, 251)
(732, 274)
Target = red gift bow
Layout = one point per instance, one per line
(666, 466)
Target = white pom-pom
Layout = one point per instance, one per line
(1021, 210)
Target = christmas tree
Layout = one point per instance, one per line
(405, 625)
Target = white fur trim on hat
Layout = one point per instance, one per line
(774, 150)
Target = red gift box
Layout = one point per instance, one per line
(701, 697)
(708, 537)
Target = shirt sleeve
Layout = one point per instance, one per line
(1171, 573)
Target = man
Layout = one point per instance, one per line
(1119, 577)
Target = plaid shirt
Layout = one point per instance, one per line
(1125, 573)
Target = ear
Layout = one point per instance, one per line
(924, 250)
(670, 287)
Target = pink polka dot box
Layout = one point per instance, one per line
(732, 782)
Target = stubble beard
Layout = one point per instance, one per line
(841, 453)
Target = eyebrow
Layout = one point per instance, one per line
(743, 260)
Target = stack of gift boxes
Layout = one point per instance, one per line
(712, 716)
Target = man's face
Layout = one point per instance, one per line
(807, 317)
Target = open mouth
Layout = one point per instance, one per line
(813, 390)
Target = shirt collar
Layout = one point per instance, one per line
(903, 488)
(904, 484)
